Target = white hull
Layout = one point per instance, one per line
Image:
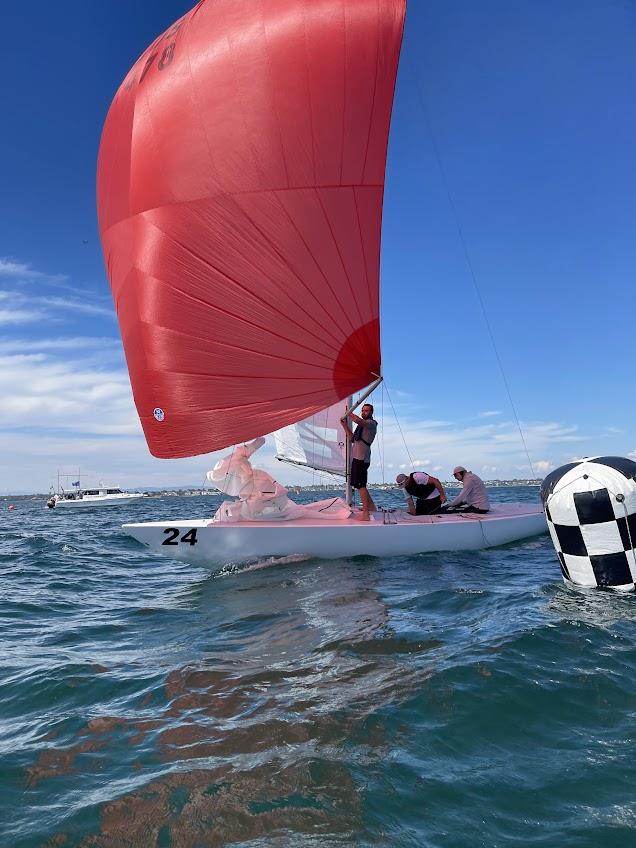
(204, 543)
(106, 500)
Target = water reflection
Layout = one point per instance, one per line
(262, 729)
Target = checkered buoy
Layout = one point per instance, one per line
(590, 506)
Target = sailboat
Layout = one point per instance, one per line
(239, 190)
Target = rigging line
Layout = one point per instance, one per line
(399, 428)
(381, 439)
(469, 263)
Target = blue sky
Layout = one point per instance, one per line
(530, 107)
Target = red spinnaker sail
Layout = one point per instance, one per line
(239, 192)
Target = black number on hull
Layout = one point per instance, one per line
(173, 536)
(190, 537)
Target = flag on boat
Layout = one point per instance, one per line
(76, 483)
(239, 191)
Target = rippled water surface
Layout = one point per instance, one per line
(451, 699)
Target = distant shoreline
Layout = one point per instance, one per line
(179, 491)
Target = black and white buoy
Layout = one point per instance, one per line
(591, 510)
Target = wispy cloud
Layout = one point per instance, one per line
(69, 343)
(23, 271)
(33, 307)
(73, 396)
(19, 316)
(489, 413)
(72, 305)
(52, 281)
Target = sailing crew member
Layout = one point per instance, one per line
(427, 490)
(361, 440)
(473, 496)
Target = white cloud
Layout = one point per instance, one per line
(37, 306)
(82, 343)
(23, 271)
(490, 413)
(19, 316)
(72, 395)
(67, 304)
(543, 465)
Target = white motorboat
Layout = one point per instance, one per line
(78, 498)
(240, 200)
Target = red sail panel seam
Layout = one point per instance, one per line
(229, 346)
(243, 111)
(238, 285)
(309, 100)
(220, 376)
(303, 188)
(267, 403)
(197, 102)
(342, 262)
(272, 95)
(239, 318)
(343, 311)
(372, 311)
(375, 88)
(293, 271)
(344, 86)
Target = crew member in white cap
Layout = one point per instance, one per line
(427, 490)
(473, 496)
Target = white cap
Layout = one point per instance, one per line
(458, 469)
(401, 479)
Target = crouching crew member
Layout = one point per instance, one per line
(427, 490)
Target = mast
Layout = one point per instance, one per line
(348, 490)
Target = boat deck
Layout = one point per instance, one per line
(380, 518)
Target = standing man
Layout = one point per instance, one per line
(427, 490)
(473, 496)
(361, 440)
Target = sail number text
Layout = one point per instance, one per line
(172, 533)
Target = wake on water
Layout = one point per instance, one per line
(230, 569)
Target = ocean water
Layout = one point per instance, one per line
(450, 699)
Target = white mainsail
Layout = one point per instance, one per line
(316, 442)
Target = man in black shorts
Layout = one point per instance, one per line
(361, 440)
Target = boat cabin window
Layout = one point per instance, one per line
(113, 491)
(91, 491)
